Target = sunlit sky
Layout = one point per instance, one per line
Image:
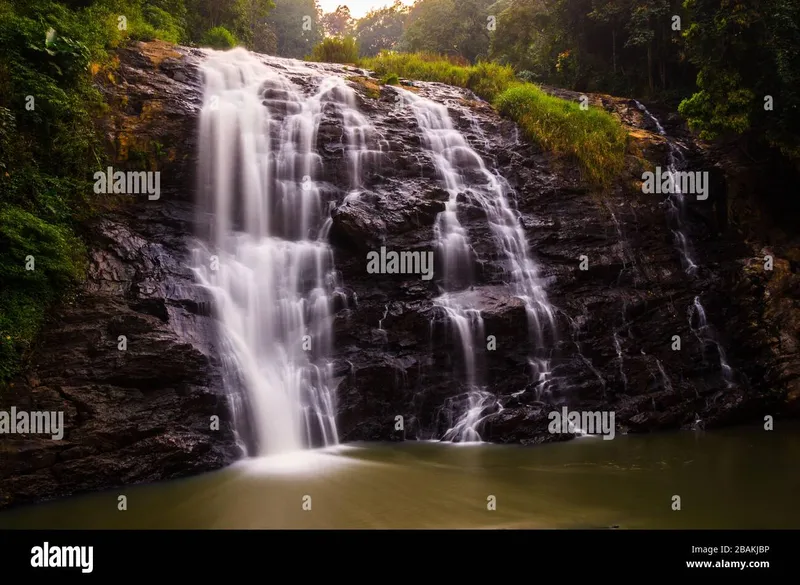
(358, 8)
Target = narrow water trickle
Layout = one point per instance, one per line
(707, 335)
(676, 212)
(264, 254)
(621, 361)
(676, 202)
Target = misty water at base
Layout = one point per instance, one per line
(736, 478)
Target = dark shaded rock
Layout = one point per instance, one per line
(142, 413)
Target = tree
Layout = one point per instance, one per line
(612, 13)
(297, 25)
(250, 24)
(644, 21)
(203, 15)
(429, 27)
(338, 23)
(454, 27)
(748, 59)
(381, 29)
(525, 36)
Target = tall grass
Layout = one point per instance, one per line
(335, 50)
(593, 137)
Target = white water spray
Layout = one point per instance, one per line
(267, 262)
(677, 210)
(706, 334)
(455, 160)
(675, 202)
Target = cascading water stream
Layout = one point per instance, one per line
(706, 334)
(676, 203)
(455, 160)
(265, 258)
(362, 138)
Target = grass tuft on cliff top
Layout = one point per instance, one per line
(593, 137)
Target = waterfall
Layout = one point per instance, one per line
(464, 174)
(706, 335)
(676, 204)
(263, 226)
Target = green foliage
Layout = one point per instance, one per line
(164, 25)
(449, 27)
(421, 66)
(628, 46)
(489, 80)
(143, 31)
(528, 41)
(48, 150)
(69, 57)
(249, 24)
(381, 29)
(335, 50)
(390, 79)
(298, 27)
(723, 59)
(593, 138)
(219, 37)
(57, 258)
(528, 76)
(747, 55)
(712, 119)
(338, 23)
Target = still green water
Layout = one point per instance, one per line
(742, 478)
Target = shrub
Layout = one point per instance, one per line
(58, 263)
(335, 50)
(219, 37)
(47, 155)
(166, 27)
(143, 32)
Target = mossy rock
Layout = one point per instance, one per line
(370, 86)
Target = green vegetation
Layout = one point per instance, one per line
(449, 27)
(335, 50)
(592, 137)
(748, 58)
(48, 149)
(734, 66)
(292, 40)
(219, 37)
(721, 59)
(380, 30)
(40, 261)
(390, 79)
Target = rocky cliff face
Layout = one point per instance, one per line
(617, 318)
(145, 414)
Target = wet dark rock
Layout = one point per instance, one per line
(143, 414)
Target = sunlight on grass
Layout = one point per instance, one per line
(593, 137)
